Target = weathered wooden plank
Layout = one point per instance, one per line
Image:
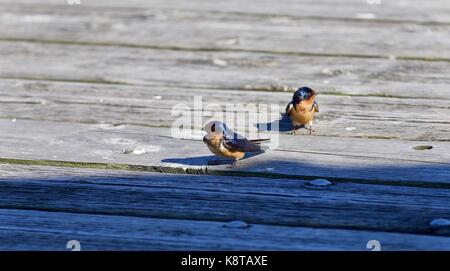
(219, 198)
(225, 31)
(219, 30)
(359, 159)
(340, 116)
(36, 230)
(229, 70)
(116, 48)
(411, 11)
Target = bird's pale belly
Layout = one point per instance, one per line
(302, 118)
(219, 150)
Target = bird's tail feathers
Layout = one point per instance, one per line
(257, 144)
(259, 141)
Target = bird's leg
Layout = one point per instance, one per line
(234, 164)
(311, 130)
(294, 129)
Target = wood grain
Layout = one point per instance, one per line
(396, 11)
(340, 116)
(37, 230)
(189, 27)
(224, 70)
(410, 10)
(215, 198)
(156, 149)
(87, 153)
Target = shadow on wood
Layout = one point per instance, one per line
(431, 175)
(190, 198)
(190, 161)
(282, 125)
(206, 160)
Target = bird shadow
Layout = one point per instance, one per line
(284, 124)
(281, 125)
(207, 160)
(190, 161)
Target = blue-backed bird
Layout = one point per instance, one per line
(302, 108)
(225, 143)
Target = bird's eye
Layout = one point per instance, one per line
(213, 128)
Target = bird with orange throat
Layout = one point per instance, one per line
(225, 143)
(302, 108)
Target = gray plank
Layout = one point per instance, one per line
(36, 230)
(219, 198)
(224, 70)
(221, 30)
(396, 11)
(340, 116)
(155, 148)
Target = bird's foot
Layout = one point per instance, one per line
(234, 164)
(292, 132)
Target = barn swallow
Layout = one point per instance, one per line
(302, 108)
(223, 142)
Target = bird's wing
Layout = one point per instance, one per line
(289, 108)
(242, 145)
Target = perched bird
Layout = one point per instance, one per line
(223, 142)
(302, 108)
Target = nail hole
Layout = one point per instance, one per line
(236, 225)
(440, 223)
(319, 182)
(422, 147)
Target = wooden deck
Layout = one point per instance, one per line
(87, 154)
